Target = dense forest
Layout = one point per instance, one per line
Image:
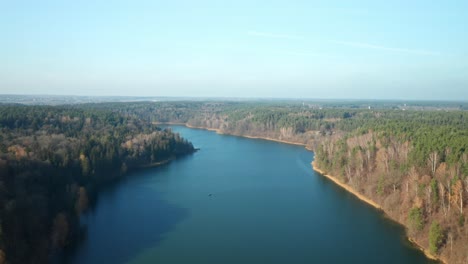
(54, 160)
(411, 160)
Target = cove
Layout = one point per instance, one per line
(237, 200)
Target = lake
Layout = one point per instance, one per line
(237, 200)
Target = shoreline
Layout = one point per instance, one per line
(377, 206)
(424, 250)
(168, 123)
(155, 164)
(204, 128)
(346, 187)
(251, 137)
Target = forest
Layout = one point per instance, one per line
(54, 160)
(409, 158)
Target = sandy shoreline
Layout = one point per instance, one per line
(169, 123)
(425, 251)
(251, 137)
(204, 128)
(347, 187)
(276, 140)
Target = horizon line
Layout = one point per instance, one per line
(235, 97)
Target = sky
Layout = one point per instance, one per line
(270, 49)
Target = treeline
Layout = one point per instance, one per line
(53, 160)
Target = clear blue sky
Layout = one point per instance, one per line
(301, 49)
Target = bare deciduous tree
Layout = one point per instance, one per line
(433, 160)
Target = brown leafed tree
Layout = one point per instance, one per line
(442, 198)
(457, 196)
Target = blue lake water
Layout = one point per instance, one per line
(237, 200)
